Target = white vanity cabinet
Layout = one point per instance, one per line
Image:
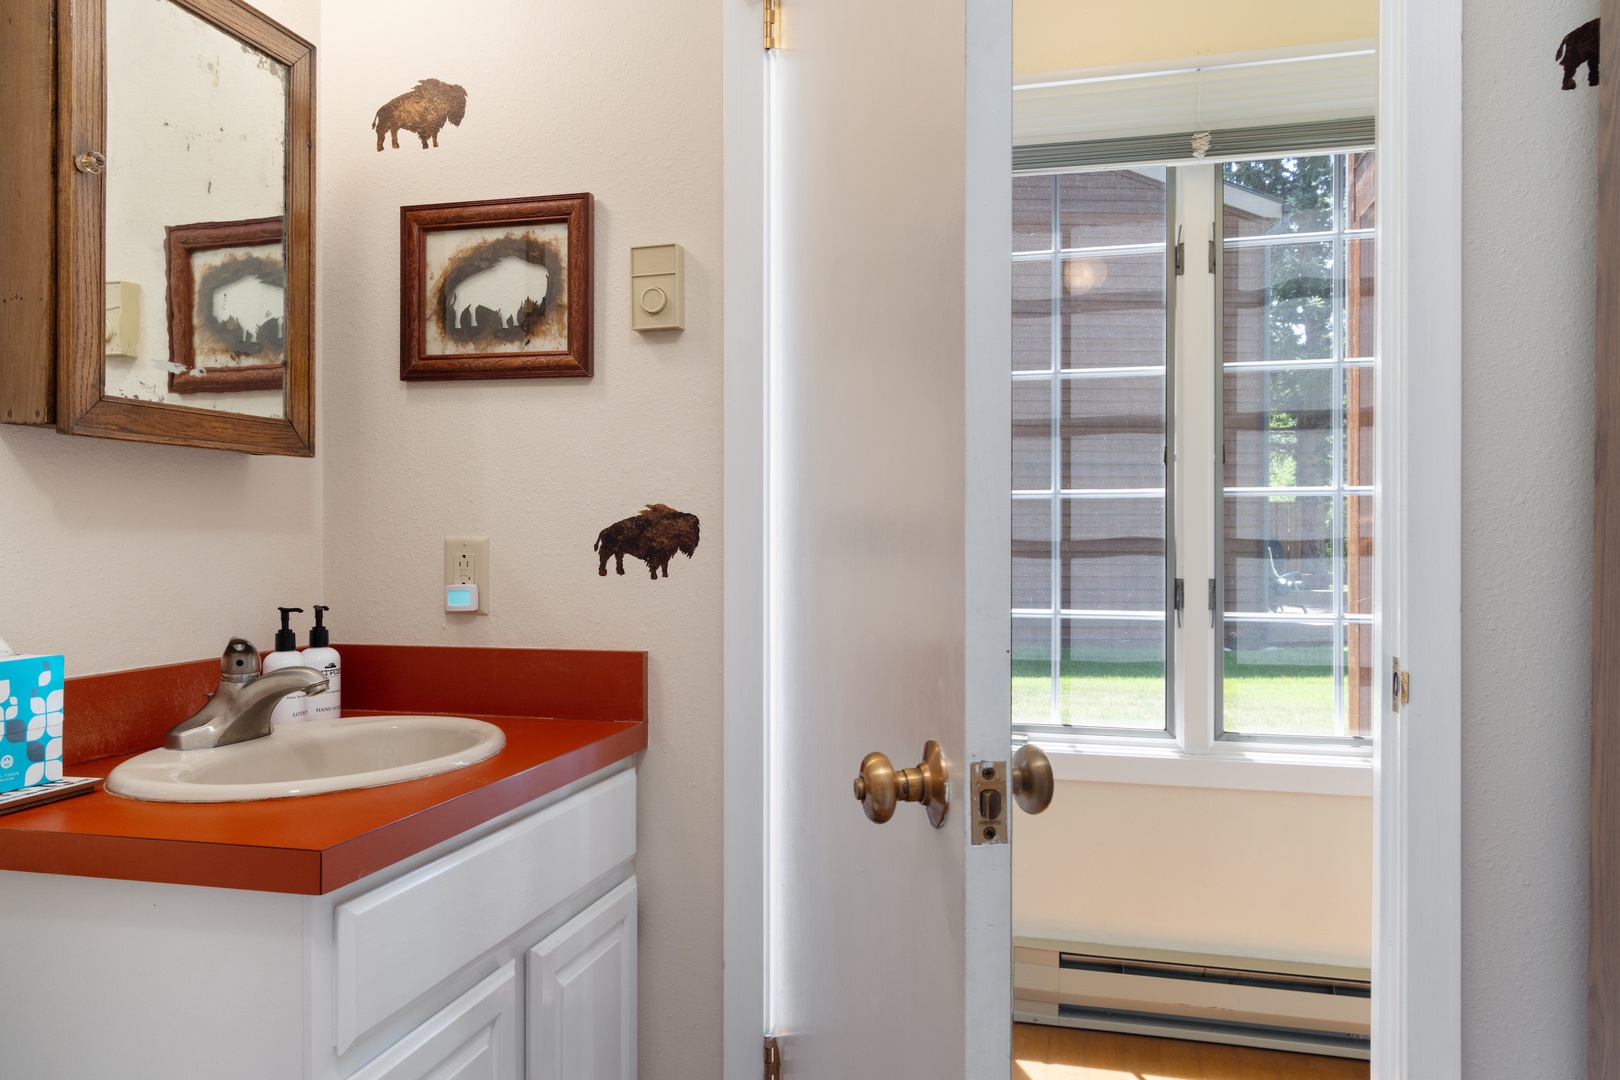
(504, 953)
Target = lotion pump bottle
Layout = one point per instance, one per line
(323, 658)
(294, 708)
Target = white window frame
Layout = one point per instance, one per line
(1190, 750)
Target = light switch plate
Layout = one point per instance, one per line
(658, 287)
(466, 562)
(123, 313)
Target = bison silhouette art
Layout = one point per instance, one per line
(423, 110)
(1580, 47)
(653, 536)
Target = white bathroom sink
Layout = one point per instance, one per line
(312, 758)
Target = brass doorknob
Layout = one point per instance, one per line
(1032, 778)
(881, 787)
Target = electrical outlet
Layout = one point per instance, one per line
(466, 562)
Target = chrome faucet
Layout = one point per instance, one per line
(240, 709)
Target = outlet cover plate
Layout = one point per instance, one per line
(466, 562)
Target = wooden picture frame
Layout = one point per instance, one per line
(182, 245)
(468, 274)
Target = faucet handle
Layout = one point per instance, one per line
(240, 661)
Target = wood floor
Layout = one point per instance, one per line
(1058, 1053)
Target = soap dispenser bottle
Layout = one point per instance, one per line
(293, 709)
(323, 658)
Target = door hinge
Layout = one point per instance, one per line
(773, 24)
(1400, 688)
(773, 1059)
(1179, 601)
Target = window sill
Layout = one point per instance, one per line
(1236, 770)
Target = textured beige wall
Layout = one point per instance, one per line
(1529, 203)
(621, 99)
(122, 555)
(1063, 35)
(1241, 873)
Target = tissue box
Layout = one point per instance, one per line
(31, 734)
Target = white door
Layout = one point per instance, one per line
(888, 522)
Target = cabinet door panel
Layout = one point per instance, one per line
(473, 1038)
(494, 887)
(582, 994)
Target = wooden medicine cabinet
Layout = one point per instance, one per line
(157, 215)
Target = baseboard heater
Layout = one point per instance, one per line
(1310, 1008)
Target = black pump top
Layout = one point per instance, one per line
(286, 637)
(319, 636)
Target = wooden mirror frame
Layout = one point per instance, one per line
(82, 407)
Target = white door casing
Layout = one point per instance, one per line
(1417, 806)
(886, 58)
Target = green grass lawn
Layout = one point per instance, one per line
(1260, 698)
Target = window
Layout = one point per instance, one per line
(1090, 365)
(1192, 490)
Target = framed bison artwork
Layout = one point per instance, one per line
(499, 289)
(227, 306)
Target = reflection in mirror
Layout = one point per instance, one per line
(196, 190)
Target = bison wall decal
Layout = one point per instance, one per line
(653, 536)
(1580, 46)
(423, 110)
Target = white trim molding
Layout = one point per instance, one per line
(1417, 936)
(1238, 770)
(744, 759)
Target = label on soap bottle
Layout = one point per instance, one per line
(328, 705)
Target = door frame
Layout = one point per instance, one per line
(745, 757)
(1417, 955)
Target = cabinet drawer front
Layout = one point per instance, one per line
(397, 942)
(474, 1038)
(582, 994)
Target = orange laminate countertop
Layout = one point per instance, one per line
(319, 843)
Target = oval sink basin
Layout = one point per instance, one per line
(312, 758)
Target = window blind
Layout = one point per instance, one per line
(1327, 136)
(1314, 98)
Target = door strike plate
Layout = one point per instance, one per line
(989, 783)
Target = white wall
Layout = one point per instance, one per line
(121, 554)
(1238, 873)
(1529, 201)
(621, 99)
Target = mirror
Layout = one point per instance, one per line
(196, 183)
(178, 161)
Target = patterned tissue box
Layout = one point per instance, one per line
(31, 735)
